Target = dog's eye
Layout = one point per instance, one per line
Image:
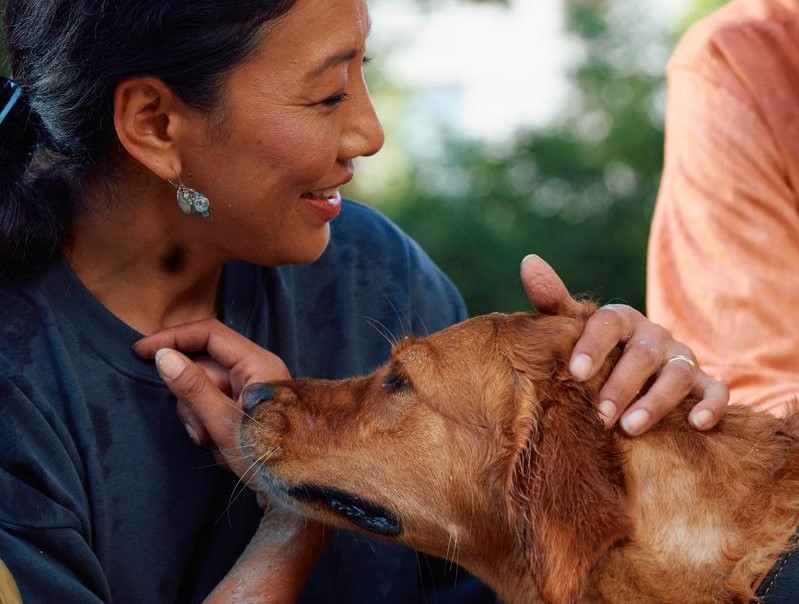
(394, 382)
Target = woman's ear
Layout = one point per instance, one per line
(148, 117)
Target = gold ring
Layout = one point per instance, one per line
(681, 357)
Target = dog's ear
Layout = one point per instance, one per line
(567, 490)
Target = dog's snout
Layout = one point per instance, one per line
(254, 394)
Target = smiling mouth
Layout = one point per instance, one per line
(363, 514)
(329, 195)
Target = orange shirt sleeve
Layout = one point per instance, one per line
(723, 265)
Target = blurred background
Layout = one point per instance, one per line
(523, 126)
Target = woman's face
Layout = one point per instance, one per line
(295, 116)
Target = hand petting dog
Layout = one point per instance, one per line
(649, 350)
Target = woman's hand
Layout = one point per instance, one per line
(648, 350)
(281, 555)
(209, 389)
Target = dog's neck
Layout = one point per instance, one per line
(717, 505)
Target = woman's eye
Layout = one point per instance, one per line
(335, 100)
(395, 383)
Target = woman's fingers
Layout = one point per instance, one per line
(207, 411)
(194, 427)
(546, 290)
(219, 375)
(652, 362)
(641, 358)
(715, 396)
(230, 351)
(676, 380)
(224, 345)
(609, 326)
(673, 383)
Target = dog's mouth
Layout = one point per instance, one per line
(363, 514)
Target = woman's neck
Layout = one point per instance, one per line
(144, 261)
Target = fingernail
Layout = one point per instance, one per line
(192, 433)
(607, 411)
(581, 366)
(636, 422)
(169, 363)
(529, 256)
(702, 420)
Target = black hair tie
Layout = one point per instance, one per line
(17, 122)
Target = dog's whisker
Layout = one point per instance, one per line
(242, 483)
(425, 329)
(383, 330)
(450, 548)
(402, 319)
(233, 404)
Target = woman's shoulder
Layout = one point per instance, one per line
(25, 318)
(34, 355)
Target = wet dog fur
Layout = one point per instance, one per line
(476, 444)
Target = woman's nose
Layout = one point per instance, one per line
(363, 134)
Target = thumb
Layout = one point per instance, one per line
(545, 289)
(216, 412)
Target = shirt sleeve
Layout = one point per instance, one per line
(44, 538)
(723, 265)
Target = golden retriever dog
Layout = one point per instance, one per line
(476, 444)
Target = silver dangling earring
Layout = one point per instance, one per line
(191, 201)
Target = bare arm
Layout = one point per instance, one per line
(276, 563)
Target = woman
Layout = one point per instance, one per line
(168, 162)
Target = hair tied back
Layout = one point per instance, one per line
(17, 129)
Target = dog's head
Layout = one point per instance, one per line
(472, 442)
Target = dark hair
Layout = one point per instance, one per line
(68, 56)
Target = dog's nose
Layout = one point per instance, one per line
(257, 393)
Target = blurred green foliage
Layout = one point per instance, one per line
(698, 9)
(579, 193)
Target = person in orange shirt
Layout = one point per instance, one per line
(723, 265)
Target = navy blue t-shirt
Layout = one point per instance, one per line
(103, 497)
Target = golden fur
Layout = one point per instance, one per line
(478, 441)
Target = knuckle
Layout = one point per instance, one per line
(619, 395)
(645, 352)
(718, 391)
(661, 334)
(682, 371)
(609, 316)
(678, 348)
(659, 402)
